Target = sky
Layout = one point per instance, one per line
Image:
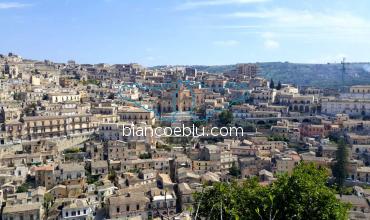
(186, 32)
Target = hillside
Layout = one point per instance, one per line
(323, 75)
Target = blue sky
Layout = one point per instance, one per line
(153, 32)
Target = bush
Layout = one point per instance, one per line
(302, 195)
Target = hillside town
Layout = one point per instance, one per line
(65, 153)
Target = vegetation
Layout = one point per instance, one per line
(272, 84)
(277, 138)
(72, 150)
(278, 87)
(164, 146)
(111, 96)
(318, 75)
(91, 81)
(247, 126)
(339, 168)
(91, 179)
(48, 202)
(30, 110)
(225, 118)
(112, 175)
(145, 156)
(234, 170)
(303, 195)
(23, 188)
(334, 137)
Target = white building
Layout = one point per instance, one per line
(78, 209)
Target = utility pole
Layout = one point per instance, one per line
(343, 71)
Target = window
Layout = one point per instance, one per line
(137, 207)
(117, 210)
(127, 208)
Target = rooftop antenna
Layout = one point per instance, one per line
(343, 70)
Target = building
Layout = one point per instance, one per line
(63, 97)
(32, 211)
(77, 209)
(352, 107)
(37, 127)
(129, 205)
(44, 176)
(136, 115)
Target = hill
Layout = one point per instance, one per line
(321, 75)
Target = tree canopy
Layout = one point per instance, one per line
(272, 84)
(278, 87)
(225, 118)
(302, 195)
(340, 166)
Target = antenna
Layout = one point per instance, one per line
(343, 70)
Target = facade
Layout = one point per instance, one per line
(77, 209)
(23, 211)
(130, 205)
(44, 176)
(137, 115)
(352, 107)
(63, 97)
(38, 127)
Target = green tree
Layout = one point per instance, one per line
(146, 155)
(234, 170)
(225, 118)
(112, 175)
(306, 195)
(278, 87)
(277, 138)
(272, 84)
(48, 202)
(302, 195)
(111, 96)
(23, 188)
(340, 166)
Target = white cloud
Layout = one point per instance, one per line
(226, 43)
(268, 35)
(205, 3)
(288, 18)
(150, 58)
(269, 40)
(271, 44)
(9, 5)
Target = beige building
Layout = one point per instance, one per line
(127, 206)
(352, 107)
(44, 176)
(99, 167)
(32, 211)
(360, 89)
(63, 97)
(285, 163)
(36, 127)
(263, 95)
(136, 115)
(176, 99)
(213, 158)
(118, 150)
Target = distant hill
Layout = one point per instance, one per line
(322, 75)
